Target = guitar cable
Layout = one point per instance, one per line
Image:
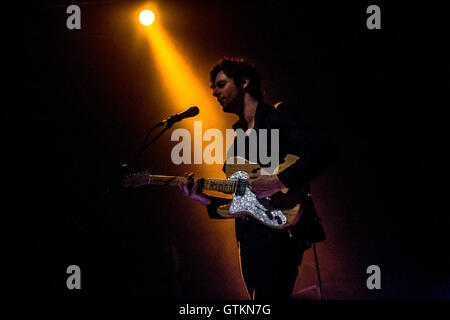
(317, 269)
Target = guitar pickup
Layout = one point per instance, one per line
(241, 185)
(269, 214)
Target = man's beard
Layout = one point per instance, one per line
(228, 108)
(236, 106)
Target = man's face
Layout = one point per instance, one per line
(229, 95)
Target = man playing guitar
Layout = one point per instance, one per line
(269, 256)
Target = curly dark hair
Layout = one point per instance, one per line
(238, 70)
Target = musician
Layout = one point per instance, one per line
(269, 257)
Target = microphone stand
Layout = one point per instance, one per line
(191, 112)
(169, 124)
(170, 249)
(126, 167)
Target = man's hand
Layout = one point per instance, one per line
(264, 185)
(189, 188)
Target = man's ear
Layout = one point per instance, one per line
(245, 83)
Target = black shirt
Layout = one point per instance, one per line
(295, 137)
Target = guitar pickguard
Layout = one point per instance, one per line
(259, 208)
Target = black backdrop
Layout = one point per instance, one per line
(382, 95)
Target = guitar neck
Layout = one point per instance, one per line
(225, 186)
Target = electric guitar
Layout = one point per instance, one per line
(280, 210)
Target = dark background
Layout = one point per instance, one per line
(73, 111)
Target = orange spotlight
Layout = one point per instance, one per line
(146, 17)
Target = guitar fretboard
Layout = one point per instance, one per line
(225, 186)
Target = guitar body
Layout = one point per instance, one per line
(279, 211)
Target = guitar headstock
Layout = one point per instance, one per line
(137, 179)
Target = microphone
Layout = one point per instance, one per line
(191, 112)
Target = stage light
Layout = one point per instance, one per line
(183, 81)
(146, 17)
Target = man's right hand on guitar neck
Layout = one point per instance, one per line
(190, 188)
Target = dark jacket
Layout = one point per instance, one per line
(296, 137)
